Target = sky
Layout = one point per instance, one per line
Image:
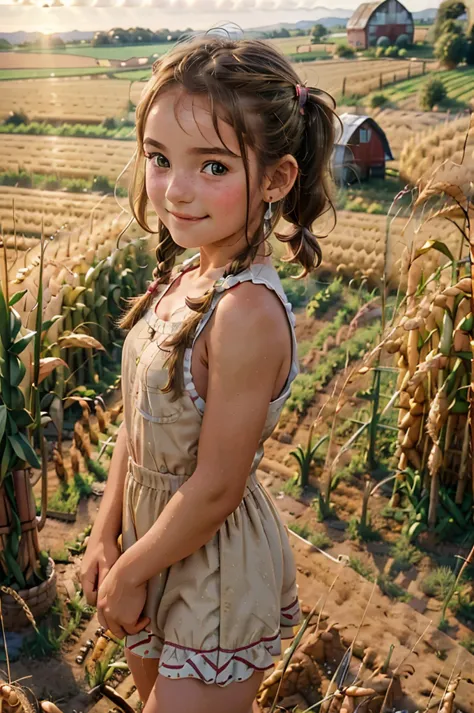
(93, 15)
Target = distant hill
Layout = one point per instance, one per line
(334, 17)
(16, 38)
(428, 15)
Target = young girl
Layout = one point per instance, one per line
(229, 142)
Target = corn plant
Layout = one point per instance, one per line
(305, 456)
(435, 347)
(21, 561)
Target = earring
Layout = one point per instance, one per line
(269, 212)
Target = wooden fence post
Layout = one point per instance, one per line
(344, 87)
(380, 81)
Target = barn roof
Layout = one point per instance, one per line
(351, 122)
(361, 16)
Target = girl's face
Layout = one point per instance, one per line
(195, 183)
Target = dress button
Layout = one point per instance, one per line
(163, 469)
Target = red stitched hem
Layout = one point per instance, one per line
(219, 648)
(236, 658)
(290, 606)
(139, 643)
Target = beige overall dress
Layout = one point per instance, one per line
(219, 614)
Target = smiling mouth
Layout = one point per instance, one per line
(187, 218)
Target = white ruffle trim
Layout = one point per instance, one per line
(218, 665)
(189, 383)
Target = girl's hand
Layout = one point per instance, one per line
(120, 603)
(100, 556)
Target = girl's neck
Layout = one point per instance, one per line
(213, 266)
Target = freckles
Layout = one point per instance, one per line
(153, 183)
(230, 198)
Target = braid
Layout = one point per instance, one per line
(184, 337)
(166, 253)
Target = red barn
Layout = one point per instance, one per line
(372, 20)
(361, 151)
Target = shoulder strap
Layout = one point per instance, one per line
(259, 274)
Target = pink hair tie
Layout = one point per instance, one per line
(302, 95)
(153, 287)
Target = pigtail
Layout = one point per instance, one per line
(183, 339)
(310, 196)
(166, 253)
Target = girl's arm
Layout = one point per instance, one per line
(102, 548)
(247, 345)
(108, 522)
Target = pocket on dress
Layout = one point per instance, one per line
(150, 401)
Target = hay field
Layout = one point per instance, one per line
(420, 33)
(91, 100)
(125, 52)
(83, 100)
(58, 209)
(399, 126)
(421, 155)
(66, 157)
(289, 45)
(43, 60)
(362, 76)
(356, 245)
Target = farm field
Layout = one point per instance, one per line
(75, 100)
(399, 126)
(125, 52)
(420, 156)
(64, 156)
(16, 74)
(361, 75)
(42, 60)
(459, 85)
(89, 99)
(356, 245)
(56, 208)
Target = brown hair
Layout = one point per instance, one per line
(245, 80)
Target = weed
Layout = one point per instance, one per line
(468, 644)
(97, 469)
(321, 540)
(291, 487)
(391, 589)
(361, 568)
(462, 607)
(438, 583)
(393, 513)
(360, 531)
(404, 555)
(301, 530)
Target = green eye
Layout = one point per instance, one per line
(217, 169)
(161, 161)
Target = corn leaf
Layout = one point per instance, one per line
(47, 365)
(23, 449)
(21, 344)
(3, 420)
(17, 297)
